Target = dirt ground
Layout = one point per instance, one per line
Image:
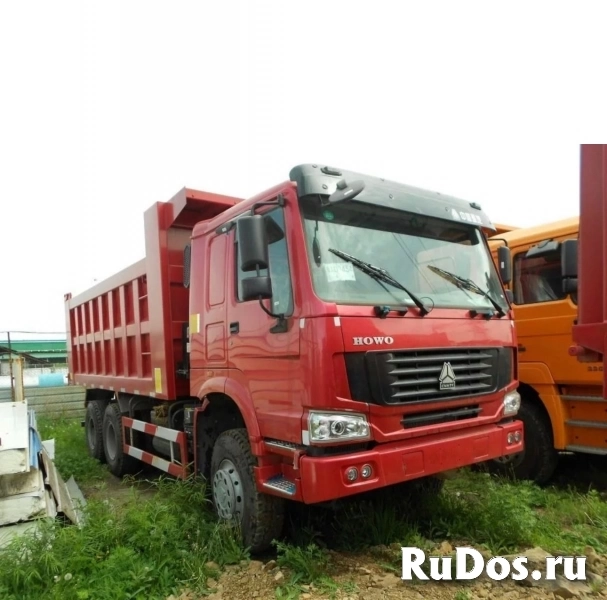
(363, 577)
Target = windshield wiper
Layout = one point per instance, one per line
(466, 284)
(380, 275)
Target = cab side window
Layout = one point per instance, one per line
(280, 273)
(537, 279)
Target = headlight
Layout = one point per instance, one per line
(512, 403)
(333, 427)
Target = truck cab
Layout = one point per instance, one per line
(560, 395)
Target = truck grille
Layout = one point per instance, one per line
(423, 376)
(437, 417)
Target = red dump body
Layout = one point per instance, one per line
(125, 334)
(591, 328)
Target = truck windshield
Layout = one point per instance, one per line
(414, 249)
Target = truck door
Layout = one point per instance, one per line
(263, 353)
(544, 314)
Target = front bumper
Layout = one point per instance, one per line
(323, 479)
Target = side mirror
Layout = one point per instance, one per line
(504, 260)
(345, 191)
(256, 288)
(544, 248)
(569, 258)
(252, 243)
(569, 266)
(570, 286)
(252, 234)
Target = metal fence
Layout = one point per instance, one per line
(65, 401)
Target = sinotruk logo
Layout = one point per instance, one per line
(447, 377)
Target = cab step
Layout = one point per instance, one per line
(571, 398)
(586, 449)
(283, 447)
(586, 424)
(280, 483)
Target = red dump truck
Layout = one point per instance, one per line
(335, 334)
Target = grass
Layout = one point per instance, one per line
(146, 549)
(154, 545)
(475, 508)
(71, 453)
(507, 516)
(309, 563)
(138, 548)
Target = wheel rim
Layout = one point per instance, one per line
(227, 491)
(91, 434)
(110, 441)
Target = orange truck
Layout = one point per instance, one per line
(561, 397)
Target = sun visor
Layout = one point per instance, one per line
(319, 179)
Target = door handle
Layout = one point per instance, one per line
(521, 348)
(234, 327)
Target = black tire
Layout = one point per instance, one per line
(119, 463)
(538, 461)
(260, 517)
(93, 427)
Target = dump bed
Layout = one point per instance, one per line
(500, 228)
(126, 333)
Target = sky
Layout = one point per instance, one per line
(108, 107)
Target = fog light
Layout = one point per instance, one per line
(352, 474)
(366, 471)
(514, 438)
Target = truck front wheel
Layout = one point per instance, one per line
(538, 461)
(236, 499)
(118, 462)
(93, 424)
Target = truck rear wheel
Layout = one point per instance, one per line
(118, 462)
(260, 517)
(538, 461)
(93, 424)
